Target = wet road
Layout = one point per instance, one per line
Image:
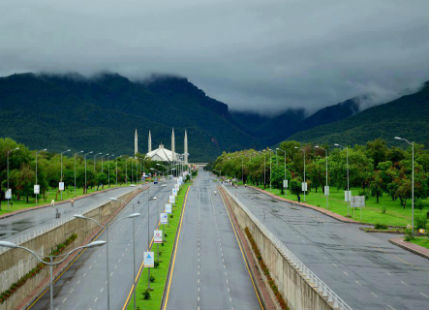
(25, 222)
(210, 271)
(83, 285)
(364, 269)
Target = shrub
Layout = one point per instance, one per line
(152, 279)
(421, 222)
(380, 226)
(156, 263)
(146, 294)
(408, 234)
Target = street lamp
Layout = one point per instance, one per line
(84, 156)
(37, 153)
(108, 170)
(61, 190)
(106, 226)
(304, 185)
(284, 151)
(51, 263)
(95, 160)
(74, 156)
(412, 179)
(348, 195)
(8, 189)
(326, 191)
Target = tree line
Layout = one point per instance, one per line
(100, 171)
(375, 168)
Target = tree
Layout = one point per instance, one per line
(295, 188)
(376, 185)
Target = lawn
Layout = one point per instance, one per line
(165, 250)
(51, 194)
(422, 241)
(394, 214)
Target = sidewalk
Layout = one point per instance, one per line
(321, 210)
(416, 249)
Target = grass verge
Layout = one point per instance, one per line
(422, 241)
(386, 212)
(160, 273)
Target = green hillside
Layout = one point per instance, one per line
(407, 116)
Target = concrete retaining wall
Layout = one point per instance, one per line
(296, 287)
(15, 263)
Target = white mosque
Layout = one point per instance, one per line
(162, 153)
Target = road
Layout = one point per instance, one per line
(364, 269)
(26, 221)
(210, 272)
(83, 285)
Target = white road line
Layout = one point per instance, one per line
(390, 307)
(71, 290)
(346, 273)
(358, 283)
(406, 284)
(102, 289)
(78, 281)
(95, 299)
(374, 294)
(111, 274)
(90, 267)
(84, 274)
(65, 299)
(424, 295)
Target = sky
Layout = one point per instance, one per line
(264, 56)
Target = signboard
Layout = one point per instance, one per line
(285, 183)
(61, 186)
(163, 218)
(157, 236)
(168, 208)
(8, 194)
(304, 186)
(347, 196)
(36, 189)
(357, 201)
(171, 199)
(148, 259)
(174, 191)
(326, 191)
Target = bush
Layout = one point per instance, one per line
(408, 234)
(419, 204)
(156, 263)
(152, 279)
(421, 222)
(380, 226)
(146, 294)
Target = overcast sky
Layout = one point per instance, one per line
(260, 55)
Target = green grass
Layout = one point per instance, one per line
(422, 241)
(395, 215)
(51, 194)
(161, 272)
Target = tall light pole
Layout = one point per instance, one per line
(95, 160)
(7, 163)
(84, 156)
(348, 168)
(37, 153)
(102, 161)
(108, 170)
(62, 170)
(412, 180)
(305, 183)
(271, 159)
(285, 176)
(74, 156)
(51, 263)
(326, 191)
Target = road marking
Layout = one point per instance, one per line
(374, 294)
(390, 307)
(95, 299)
(102, 289)
(65, 299)
(78, 281)
(111, 274)
(404, 283)
(358, 283)
(71, 290)
(424, 295)
(84, 275)
(345, 272)
(90, 267)
(388, 273)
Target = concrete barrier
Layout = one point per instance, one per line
(15, 263)
(298, 285)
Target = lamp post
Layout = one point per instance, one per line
(102, 161)
(326, 175)
(106, 226)
(62, 170)
(348, 195)
(7, 162)
(84, 156)
(278, 149)
(51, 263)
(305, 183)
(75, 168)
(37, 153)
(108, 170)
(271, 159)
(95, 160)
(412, 180)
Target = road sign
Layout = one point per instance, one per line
(148, 259)
(171, 199)
(157, 236)
(168, 208)
(357, 202)
(163, 218)
(61, 186)
(36, 189)
(304, 186)
(174, 191)
(8, 194)
(326, 190)
(347, 196)
(285, 184)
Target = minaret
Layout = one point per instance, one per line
(149, 143)
(186, 147)
(173, 144)
(136, 142)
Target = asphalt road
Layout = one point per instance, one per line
(26, 221)
(209, 272)
(364, 269)
(83, 285)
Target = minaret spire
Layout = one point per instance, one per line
(136, 142)
(186, 147)
(149, 143)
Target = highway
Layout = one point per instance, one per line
(364, 269)
(24, 222)
(210, 272)
(83, 285)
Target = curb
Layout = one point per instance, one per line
(60, 203)
(301, 204)
(414, 248)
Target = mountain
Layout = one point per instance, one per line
(101, 113)
(407, 116)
